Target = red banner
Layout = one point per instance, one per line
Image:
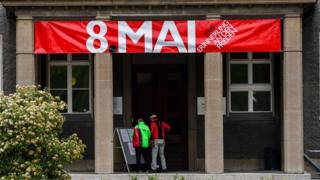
(262, 35)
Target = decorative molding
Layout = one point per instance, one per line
(150, 2)
(157, 11)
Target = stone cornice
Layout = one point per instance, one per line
(24, 3)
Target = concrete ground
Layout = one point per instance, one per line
(191, 176)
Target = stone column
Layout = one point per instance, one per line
(292, 96)
(25, 62)
(103, 107)
(213, 86)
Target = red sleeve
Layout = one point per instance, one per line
(166, 126)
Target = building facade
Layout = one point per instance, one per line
(311, 83)
(255, 102)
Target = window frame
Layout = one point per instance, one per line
(70, 63)
(250, 87)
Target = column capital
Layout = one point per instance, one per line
(100, 16)
(24, 18)
(213, 16)
(293, 16)
(292, 33)
(24, 35)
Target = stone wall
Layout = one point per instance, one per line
(311, 90)
(311, 79)
(8, 32)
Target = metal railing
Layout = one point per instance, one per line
(306, 157)
(312, 162)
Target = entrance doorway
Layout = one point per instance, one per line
(162, 90)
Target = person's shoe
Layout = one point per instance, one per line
(153, 171)
(164, 170)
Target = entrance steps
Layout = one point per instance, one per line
(191, 176)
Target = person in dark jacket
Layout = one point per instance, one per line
(158, 132)
(141, 141)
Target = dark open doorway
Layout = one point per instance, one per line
(162, 90)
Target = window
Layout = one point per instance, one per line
(70, 79)
(250, 82)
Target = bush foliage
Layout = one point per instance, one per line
(30, 147)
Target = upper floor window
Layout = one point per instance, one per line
(250, 82)
(70, 79)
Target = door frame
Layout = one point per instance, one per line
(190, 61)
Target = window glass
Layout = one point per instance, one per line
(174, 76)
(70, 80)
(174, 80)
(143, 86)
(261, 55)
(78, 57)
(80, 76)
(261, 101)
(144, 79)
(239, 101)
(250, 85)
(261, 73)
(239, 73)
(175, 103)
(239, 55)
(58, 57)
(58, 77)
(80, 100)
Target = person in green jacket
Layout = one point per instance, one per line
(141, 141)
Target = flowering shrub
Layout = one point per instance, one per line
(30, 123)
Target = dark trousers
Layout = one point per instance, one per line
(144, 152)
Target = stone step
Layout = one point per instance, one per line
(191, 176)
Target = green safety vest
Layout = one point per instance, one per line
(144, 134)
